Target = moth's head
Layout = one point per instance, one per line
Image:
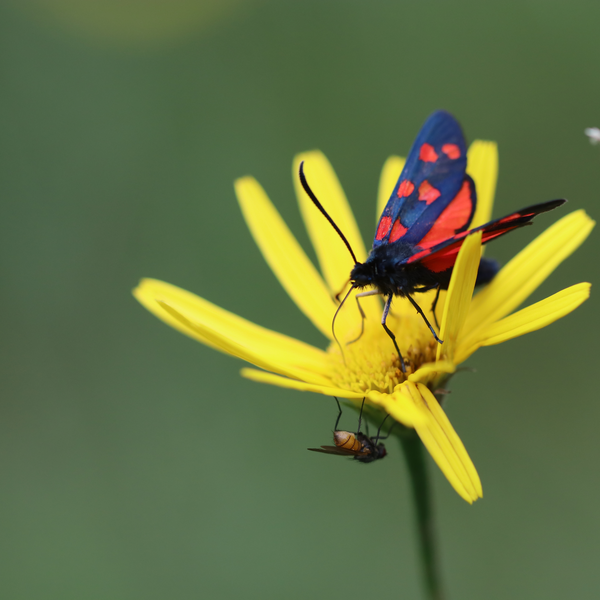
(363, 274)
(383, 263)
(383, 271)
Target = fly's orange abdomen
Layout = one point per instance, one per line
(348, 441)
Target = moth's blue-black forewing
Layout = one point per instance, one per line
(432, 177)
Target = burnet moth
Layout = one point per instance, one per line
(426, 221)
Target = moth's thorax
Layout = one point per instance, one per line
(386, 270)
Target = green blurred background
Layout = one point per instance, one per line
(136, 463)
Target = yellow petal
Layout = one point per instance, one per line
(426, 370)
(389, 176)
(482, 166)
(460, 291)
(284, 382)
(536, 316)
(400, 407)
(284, 255)
(525, 272)
(457, 446)
(228, 346)
(334, 258)
(271, 344)
(444, 445)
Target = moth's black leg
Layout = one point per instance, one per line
(362, 313)
(339, 414)
(386, 310)
(362, 323)
(433, 306)
(425, 319)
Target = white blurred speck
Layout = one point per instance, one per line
(593, 133)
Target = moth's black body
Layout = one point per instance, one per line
(385, 270)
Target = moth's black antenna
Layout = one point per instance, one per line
(325, 214)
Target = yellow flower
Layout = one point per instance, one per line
(369, 367)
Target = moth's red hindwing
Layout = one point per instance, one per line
(456, 216)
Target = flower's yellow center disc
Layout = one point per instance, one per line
(371, 362)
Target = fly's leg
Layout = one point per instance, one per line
(339, 414)
(385, 437)
(360, 415)
(377, 438)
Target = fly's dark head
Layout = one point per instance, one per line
(381, 451)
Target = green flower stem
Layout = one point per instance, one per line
(421, 487)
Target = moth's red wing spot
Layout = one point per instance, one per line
(427, 193)
(453, 218)
(383, 228)
(405, 188)
(398, 230)
(451, 151)
(428, 154)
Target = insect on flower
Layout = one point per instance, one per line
(425, 223)
(357, 445)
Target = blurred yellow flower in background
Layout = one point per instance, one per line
(139, 24)
(370, 366)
